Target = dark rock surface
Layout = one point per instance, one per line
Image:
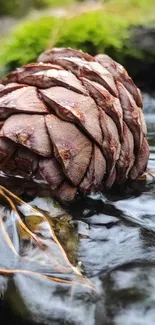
(139, 57)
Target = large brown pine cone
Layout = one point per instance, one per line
(74, 121)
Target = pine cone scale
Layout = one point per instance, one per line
(23, 129)
(74, 149)
(74, 121)
(126, 157)
(121, 75)
(74, 107)
(51, 171)
(106, 101)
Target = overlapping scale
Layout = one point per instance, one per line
(120, 74)
(75, 108)
(74, 121)
(29, 131)
(25, 99)
(110, 104)
(73, 148)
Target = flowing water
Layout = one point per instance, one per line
(117, 253)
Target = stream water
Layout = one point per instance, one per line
(117, 251)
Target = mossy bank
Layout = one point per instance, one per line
(123, 29)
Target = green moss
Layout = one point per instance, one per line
(134, 11)
(50, 3)
(20, 7)
(91, 32)
(94, 32)
(109, 30)
(27, 41)
(10, 7)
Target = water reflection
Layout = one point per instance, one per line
(120, 245)
(117, 251)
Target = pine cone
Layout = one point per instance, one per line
(74, 121)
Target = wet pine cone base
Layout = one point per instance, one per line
(72, 121)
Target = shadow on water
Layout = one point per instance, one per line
(117, 251)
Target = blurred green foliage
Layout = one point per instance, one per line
(47, 3)
(107, 30)
(21, 7)
(94, 32)
(27, 42)
(10, 7)
(134, 11)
